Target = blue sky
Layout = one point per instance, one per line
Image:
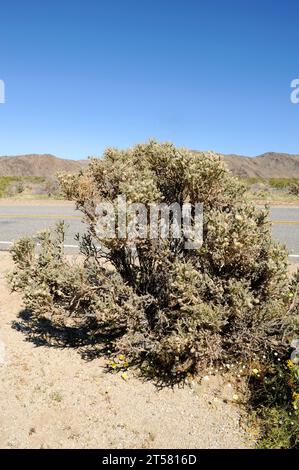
(207, 74)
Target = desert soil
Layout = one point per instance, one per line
(53, 398)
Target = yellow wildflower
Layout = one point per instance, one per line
(295, 398)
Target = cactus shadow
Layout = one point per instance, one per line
(43, 332)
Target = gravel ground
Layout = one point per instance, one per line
(52, 398)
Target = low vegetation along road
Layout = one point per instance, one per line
(18, 218)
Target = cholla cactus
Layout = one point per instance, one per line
(174, 308)
(294, 189)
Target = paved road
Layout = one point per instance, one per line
(285, 228)
(28, 218)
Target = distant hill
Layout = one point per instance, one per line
(37, 165)
(268, 165)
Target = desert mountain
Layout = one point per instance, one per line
(268, 165)
(37, 165)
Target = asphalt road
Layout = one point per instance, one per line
(28, 218)
(285, 228)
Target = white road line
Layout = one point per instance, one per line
(38, 244)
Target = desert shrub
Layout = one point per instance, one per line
(173, 309)
(84, 295)
(251, 180)
(294, 189)
(51, 186)
(5, 183)
(274, 391)
(277, 183)
(271, 188)
(281, 183)
(275, 401)
(16, 185)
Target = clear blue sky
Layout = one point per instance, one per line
(207, 74)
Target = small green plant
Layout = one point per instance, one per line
(57, 396)
(282, 183)
(275, 392)
(275, 399)
(277, 183)
(10, 185)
